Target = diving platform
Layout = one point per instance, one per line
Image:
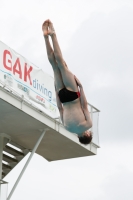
(24, 123)
(29, 117)
(21, 126)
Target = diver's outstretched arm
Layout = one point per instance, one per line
(83, 99)
(84, 105)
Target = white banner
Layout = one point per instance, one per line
(27, 80)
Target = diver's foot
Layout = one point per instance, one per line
(51, 30)
(45, 28)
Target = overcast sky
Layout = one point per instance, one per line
(96, 37)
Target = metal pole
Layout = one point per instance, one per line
(26, 164)
(92, 118)
(4, 138)
(1, 155)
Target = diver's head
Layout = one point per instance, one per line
(86, 137)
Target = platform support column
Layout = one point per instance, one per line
(4, 139)
(26, 164)
(1, 155)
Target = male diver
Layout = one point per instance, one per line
(71, 101)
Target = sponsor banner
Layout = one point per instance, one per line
(28, 80)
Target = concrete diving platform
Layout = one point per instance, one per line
(24, 123)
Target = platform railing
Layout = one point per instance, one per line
(94, 112)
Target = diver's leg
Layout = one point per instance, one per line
(50, 53)
(49, 49)
(67, 75)
(57, 73)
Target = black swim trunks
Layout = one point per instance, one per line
(66, 95)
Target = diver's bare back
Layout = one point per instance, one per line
(73, 117)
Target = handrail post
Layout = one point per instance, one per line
(92, 118)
